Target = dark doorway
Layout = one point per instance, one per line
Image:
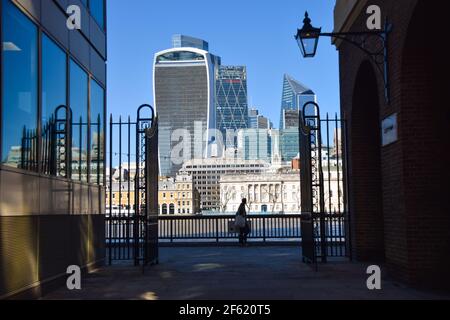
(426, 143)
(365, 168)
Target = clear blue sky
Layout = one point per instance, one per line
(257, 34)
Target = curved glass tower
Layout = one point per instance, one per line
(184, 95)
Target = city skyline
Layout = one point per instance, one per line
(237, 45)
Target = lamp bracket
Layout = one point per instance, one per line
(372, 43)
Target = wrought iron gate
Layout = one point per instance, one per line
(323, 186)
(132, 190)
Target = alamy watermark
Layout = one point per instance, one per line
(74, 279)
(374, 20)
(74, 19)
(374, 280)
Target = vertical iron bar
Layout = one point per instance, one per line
(80, 155)
(121, 226)
(338, 158)
(99, 150)
(127, 222)
(330, 195)
(110, 187)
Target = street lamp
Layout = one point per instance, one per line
(308, 40)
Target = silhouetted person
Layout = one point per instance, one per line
(242, 223)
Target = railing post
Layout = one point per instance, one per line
(171, 230)
(217, 230)
(264, 230)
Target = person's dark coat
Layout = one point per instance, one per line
(242, 211)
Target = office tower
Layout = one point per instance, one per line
(51, 217)
(231, 102)
(257, 121)
(182, 41)
(295, 96)
(253, 118)
(184, 93)
(290, 119)
(289, 144)
(264, 123)
(255, 144)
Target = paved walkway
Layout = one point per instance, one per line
(255, 273)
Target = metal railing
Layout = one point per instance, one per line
(214, 229)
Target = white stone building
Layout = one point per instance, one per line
(276, 192)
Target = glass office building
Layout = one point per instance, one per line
(231, 102)
(257, 121)
(182, 41)
(289, 144)
(291, 119)
(294, 97)
(53, 85)
(253, 115)
(255, 144)
(184, 93)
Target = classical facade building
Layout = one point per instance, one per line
(398, 183)
(276, 192)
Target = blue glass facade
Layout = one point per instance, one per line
(231, 101)
(255, 144)
(182, 41)
(289, 144)
(51, 164)
(294, 96)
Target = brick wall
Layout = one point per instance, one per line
(414, 214)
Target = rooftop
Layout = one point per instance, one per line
(298, 87)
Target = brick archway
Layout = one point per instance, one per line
(365, 168)
(425, 124)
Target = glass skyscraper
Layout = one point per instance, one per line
(295, 96)
(257, 121)
(231, 101)
(182, 41)
(255, 144)
(184, 93)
